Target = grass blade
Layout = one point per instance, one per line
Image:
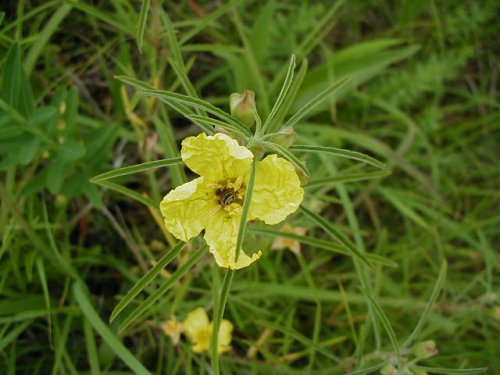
(354, 155)
(348, 178)
(136, 168)
(109, 337)
(169, 96)
(147, 279)
(219, 309)
(326, 245)
(432, 300)
(282, 95)
(144, 306)
(331, 230)
(128, 192)
(141, 26)
(384, 320)
(449, 371)
(302, 112)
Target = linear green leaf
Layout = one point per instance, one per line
(246, 210)
(169, 96)
(282, 95)
(432, 300)
(384, 320)
(109, 337)
(331, 230)
(348, 154)
(219, 309)
(323, 244)
(211, 122)
(317, 100)
(147, 279)
(128, 192)
(348, 178)
(136, 168)
(141, 26)
(450, 371)
(300, 337)
(148, 302)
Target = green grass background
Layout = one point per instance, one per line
(423, 99)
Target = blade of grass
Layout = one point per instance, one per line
(354, 155)
(147, 279)
(383, 319)
(282, 95)
(101, 328)
(438, 286)
(449, 371)
(219, 309)
(92, 355)
(168, 96)
(348, 178)
(141, 26)
(331, 230)
(128, 192)
(136, 168)
(144, 306)
(302, 112)
(323, 244)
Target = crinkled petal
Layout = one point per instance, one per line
(216, 157)
(225, 336)
(188, 208)
(221, 235)
(196, 322)
(277, 191)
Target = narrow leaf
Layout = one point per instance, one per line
(341, 153)
(302, 112)
(211, 123)
(128, 192)
(167, 284)
(331, 230)
(141, 26)
(102, 329)
(348, 178)
(136, 168)
(450, 371)
(147, 279)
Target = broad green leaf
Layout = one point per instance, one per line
(136, 168)
(102, 329)
(166, 285)
(331, 230)
(147, 279)
(341, 153)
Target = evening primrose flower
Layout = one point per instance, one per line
(199, 330)
(214, 201)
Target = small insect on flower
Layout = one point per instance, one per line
(214, 201)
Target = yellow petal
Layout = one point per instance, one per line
(187, 209)
(277, 191)
(225, 336)
(216, 157)
(198, 329)
(221, 234)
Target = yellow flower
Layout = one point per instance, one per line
(173, 328)
(214, 201)
(199, 330)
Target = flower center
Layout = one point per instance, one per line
(230, 193)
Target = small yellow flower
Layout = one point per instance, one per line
(214, 201)
(173, 329)
(199, 330)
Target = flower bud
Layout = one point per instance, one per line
(243, 107)
(425, 349)
(285, 137)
